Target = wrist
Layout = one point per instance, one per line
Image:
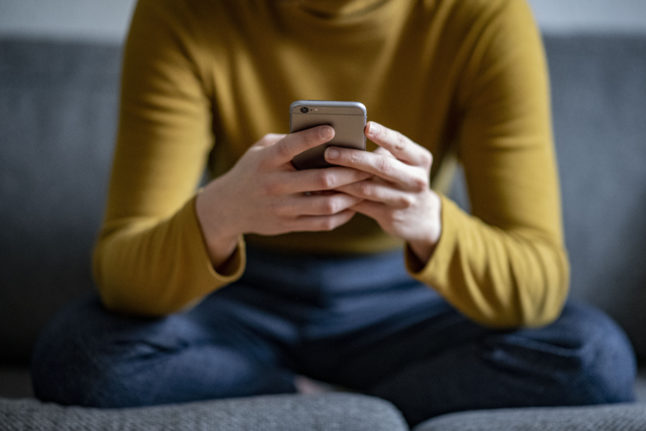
(424, 246)
(422, 250)
(220, 237)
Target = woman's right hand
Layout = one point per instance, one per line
(264, 194)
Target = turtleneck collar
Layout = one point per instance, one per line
(325, 22)
(339, 9)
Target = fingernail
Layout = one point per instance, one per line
(327, 132)
(332, 153)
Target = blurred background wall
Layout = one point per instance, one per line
(107, 20)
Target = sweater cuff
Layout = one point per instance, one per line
(229, 272)
(435, 271)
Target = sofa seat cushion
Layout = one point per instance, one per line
(615, 417)
(334, 411)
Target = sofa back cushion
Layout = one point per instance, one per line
(58, 107)
(57, 118)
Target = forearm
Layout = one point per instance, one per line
(497, 277)
(156, 267)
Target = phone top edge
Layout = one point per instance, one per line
(327, 104)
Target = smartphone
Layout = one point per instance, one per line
(347, 118)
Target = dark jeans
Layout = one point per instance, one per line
(358, 322)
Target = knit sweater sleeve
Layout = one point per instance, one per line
(504, 264)
(150, 257)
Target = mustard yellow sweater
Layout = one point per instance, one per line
(203, 80)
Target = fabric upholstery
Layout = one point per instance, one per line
(620, 417)
(267, 413)
(58, 106)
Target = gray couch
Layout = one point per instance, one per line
(58, 105)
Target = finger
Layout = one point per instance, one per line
(315, 205)
(269, 139)
(374, 210)
(310, 180)
(385, 152)
(297, 142)
(399, 145)
(377, 191)
(389, 168)
(322, 223)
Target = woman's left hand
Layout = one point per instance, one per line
(398, 195)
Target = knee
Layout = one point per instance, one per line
(59, 356)
(607, 361)
(585, 356)
(87, 356)
(71, 361)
